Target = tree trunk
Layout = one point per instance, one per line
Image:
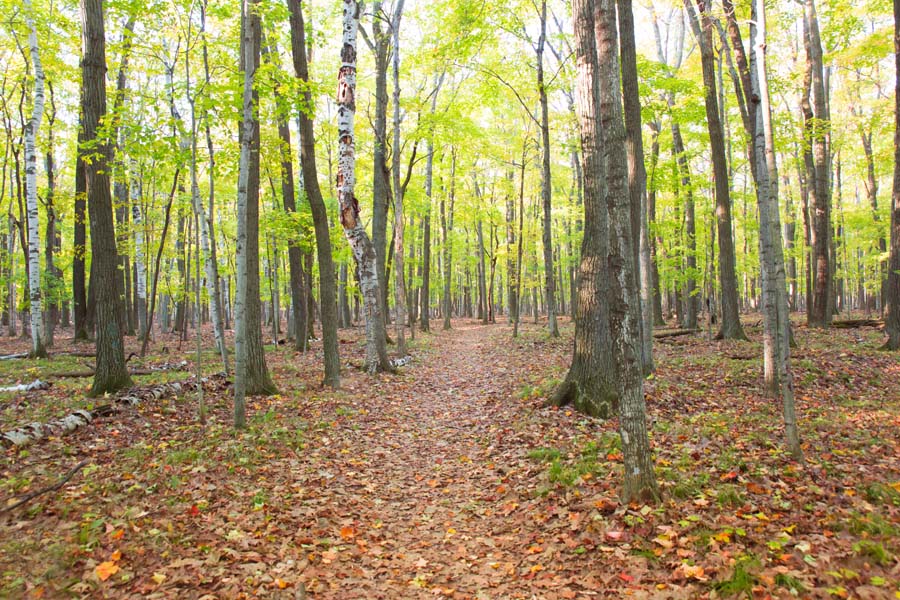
(295, 260)
(447, 250)
(546, 184)
(731, 323)
(251, 374)
(400, 285)
(110, 373)
(777, 314)
(53, 235)
(38, 349)
(139, 261)
(892, 289)
(590, 383)
(624, 302)
(327, 285)
(79, 237)
(363, 250)
(819, 186)
(207, 230)
(637, 177)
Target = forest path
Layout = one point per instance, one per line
(428, 483)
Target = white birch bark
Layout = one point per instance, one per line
(34, 239)
(140, 263)
(360, 244)
(400, 285)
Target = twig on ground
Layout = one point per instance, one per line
(32, 495)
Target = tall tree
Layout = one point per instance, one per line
(776, 312)
(702, 28)
(637, 175)
(327, 285)
(38, 350)
(400, 285)
(251, 373)
(818, 173)
(590, 383)
(110, 373)
(202, 220)
(624, 303)
(892, 289)
(425, 320)
(363, 250)
(546, 183)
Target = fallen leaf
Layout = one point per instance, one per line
(106, 569)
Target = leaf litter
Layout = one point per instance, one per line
(451, 479)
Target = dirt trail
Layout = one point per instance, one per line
(430, 479)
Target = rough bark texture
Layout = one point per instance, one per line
(892, 288)
(637, 176)
(327, 283)
(251, 374)
(819, 314)
(624, 303)
(590, 383)
(771, 253)
(363, 250)
(110, 372)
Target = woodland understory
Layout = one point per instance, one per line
(452, 479)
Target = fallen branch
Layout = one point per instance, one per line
(32, 495)
(14, 356)
(27, 434)
(677, 333)
(37, 384)
(855, 323)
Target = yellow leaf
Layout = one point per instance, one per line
(105, 570)
(537, 568)
(281, 583)
(158, 578)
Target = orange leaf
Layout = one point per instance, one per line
(281, 583)
(105, 570)
(115, 556)
(347, 532)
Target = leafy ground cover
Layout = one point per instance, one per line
(452, 480)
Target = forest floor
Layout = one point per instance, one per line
(451, 479)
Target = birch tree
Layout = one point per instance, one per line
(38, 349)
(363, 250)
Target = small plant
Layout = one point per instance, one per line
(874, 551)
(544, 454)
(729, 496)
(794, 585)
(741, 581)
(879, 493)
